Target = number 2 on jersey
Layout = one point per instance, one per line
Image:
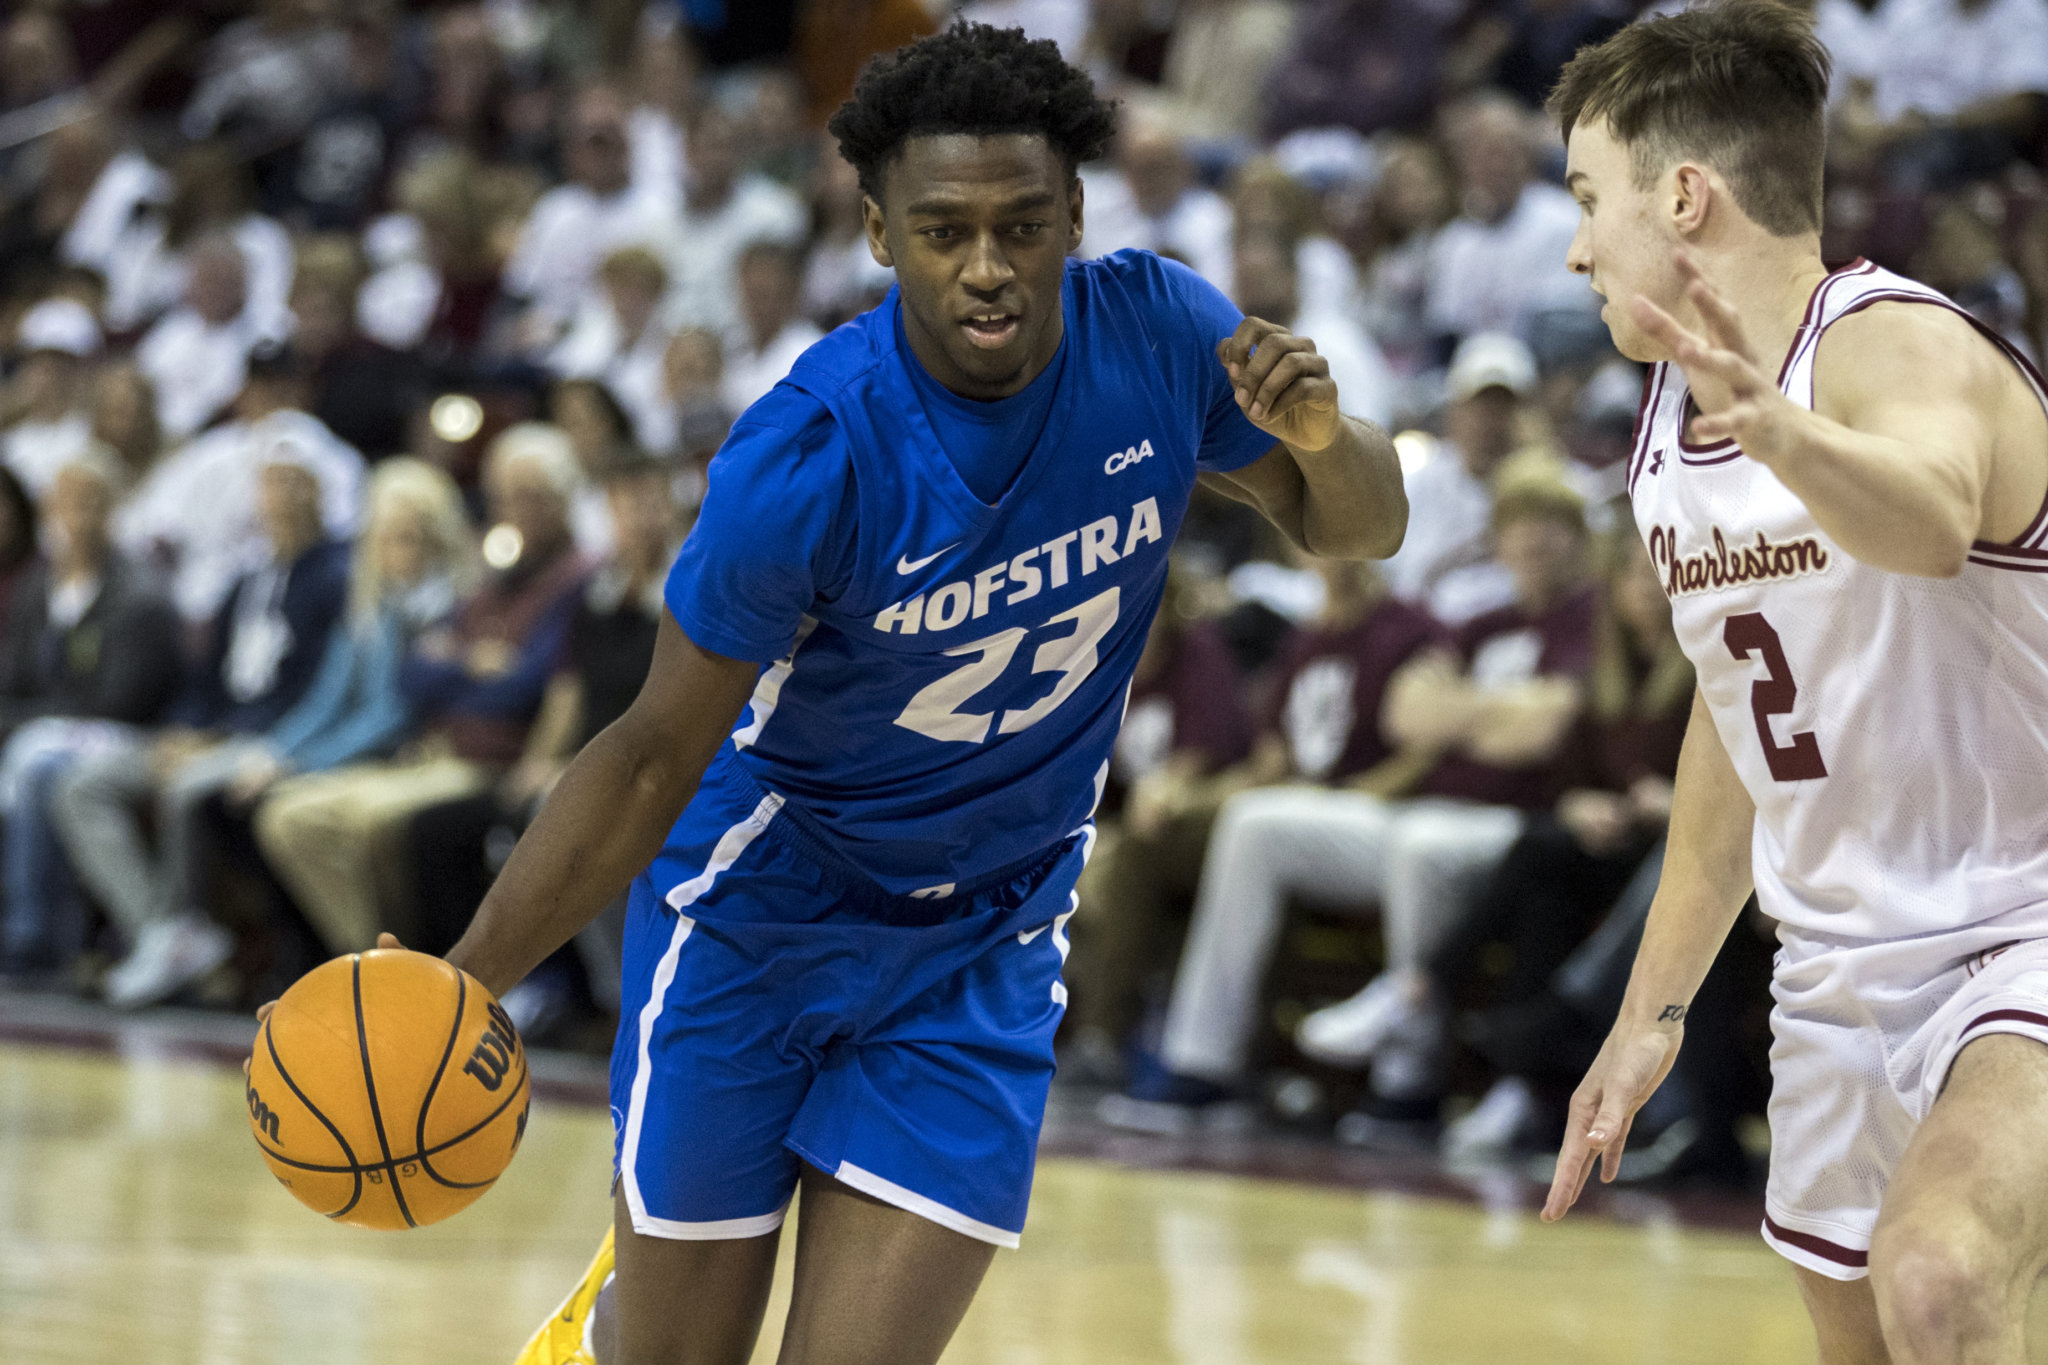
(935, 710)
(1773, 695)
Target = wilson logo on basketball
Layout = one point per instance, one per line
(493, 1055)
(1726, 566)
(262, 1115)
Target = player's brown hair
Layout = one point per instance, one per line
(1741, 85)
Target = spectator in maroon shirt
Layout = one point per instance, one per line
(1573, 860)
(1185, 722)
(1323, 729)
(1494, 712)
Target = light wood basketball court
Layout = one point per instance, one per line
(138, 1227)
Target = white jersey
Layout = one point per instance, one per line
(1892, 730)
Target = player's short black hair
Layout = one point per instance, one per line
(971, 78)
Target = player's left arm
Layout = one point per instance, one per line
(1899, 460)
(1333, 483)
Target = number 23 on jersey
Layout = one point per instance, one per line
(936, 709)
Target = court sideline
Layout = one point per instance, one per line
(137, 1225)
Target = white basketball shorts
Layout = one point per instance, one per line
(1863, 1036)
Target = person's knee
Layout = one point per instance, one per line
(1941, 1285)
(1249, 810)
(1241, 828)
(271, 824)
(74, 796)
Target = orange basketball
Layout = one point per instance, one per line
(388, 1089)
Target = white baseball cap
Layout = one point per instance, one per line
(63, 325)
(1488, 360)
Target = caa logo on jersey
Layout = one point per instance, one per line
(1124, 459)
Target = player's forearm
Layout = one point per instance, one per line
(1887, 503)
(1687, 924)
(1353, 505)
(1705, 882)
(604, 822)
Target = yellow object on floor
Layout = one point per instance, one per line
(564, 1339)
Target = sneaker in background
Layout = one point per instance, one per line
(1350, 1031)
(169, 955)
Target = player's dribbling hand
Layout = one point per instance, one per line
(1738, 397)
(263, 1010)
(1283, 387)
(1632, 1063)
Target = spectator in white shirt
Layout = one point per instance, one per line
(263, 79)
(1446, 564)
(1268, 285)
(212, 194)
(48, 424)
(1151, 199)
(693, 386)
(434, 263)
(587, 424)
(1494, 268)
(1219, 54)
(117, 183)
(574, 225)
(1266, 200)
(843, 278)
(664, 83)
(1853, 33)
(774, 333)
(197, 354)
(1392, 232)
(724, 208)
(1942, 91)
(618, 338)
(1065, 22)
(196, 511)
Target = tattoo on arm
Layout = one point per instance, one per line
(1673, 1014)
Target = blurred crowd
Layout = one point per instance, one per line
(363, 362)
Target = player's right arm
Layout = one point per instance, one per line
(1922, 438)
(609, 815)
(1705, 883)
(774, 527)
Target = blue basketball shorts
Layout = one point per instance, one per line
(775, 1013)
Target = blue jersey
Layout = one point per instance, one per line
(944, 677)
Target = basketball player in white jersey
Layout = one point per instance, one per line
(1841, 479)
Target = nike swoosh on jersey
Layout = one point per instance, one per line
(905, 564)
(1030, 934)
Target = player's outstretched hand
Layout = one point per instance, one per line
(1738, 397)
(1283, 387)
(1632, 1063)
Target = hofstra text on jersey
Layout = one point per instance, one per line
(1076, 554)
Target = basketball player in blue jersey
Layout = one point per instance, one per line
(865, 759)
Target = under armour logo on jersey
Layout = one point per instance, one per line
(1656, 462)
(1118, 462)
(905, 564)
